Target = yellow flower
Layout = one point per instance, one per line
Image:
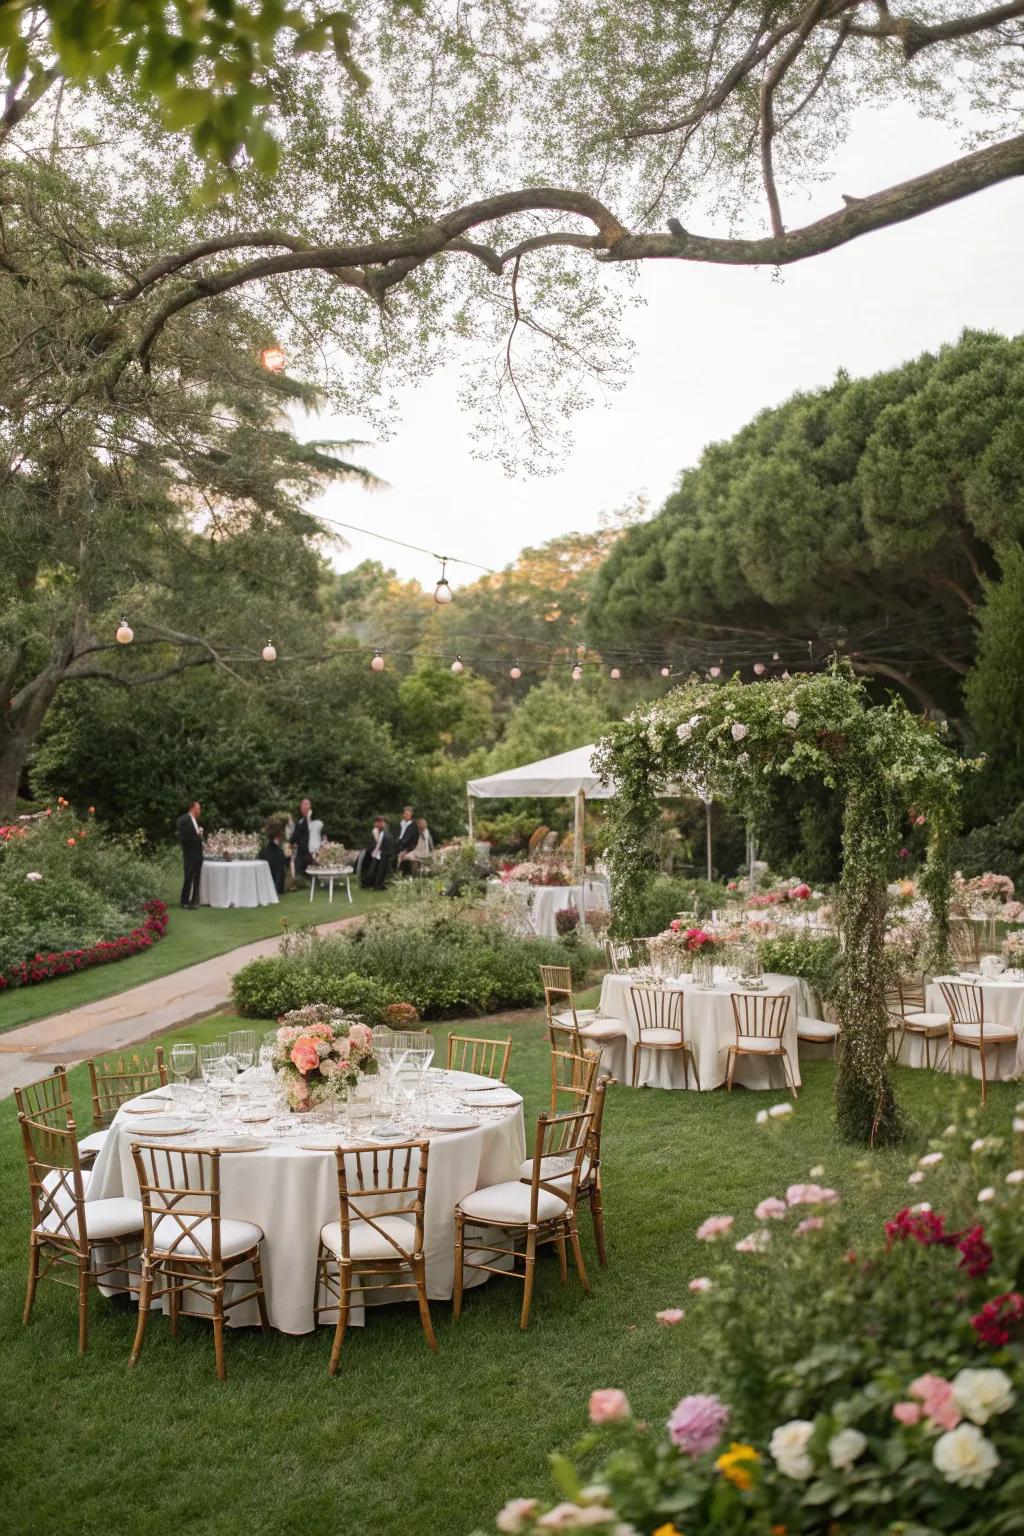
(734, 1465)
(668, 1529)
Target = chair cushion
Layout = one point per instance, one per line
(660, 1037)
(60, 1181)
(928, 1023)
(603, 1029)
(104, 1219)
(510, 1203)
(555, 1168)
(993, 1032)
(815, 1029)
(93, 1142)
(235, 1237)
(771, 1044)
(365, 1242)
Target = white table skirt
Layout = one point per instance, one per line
(549, 899)
(710, 1029)
(236, 883)
(290, 1194)
(1003, 1004)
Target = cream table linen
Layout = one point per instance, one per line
(236, 883)
(1003, 1004)
(710, 1029)
(549, 899)
(291, 1193)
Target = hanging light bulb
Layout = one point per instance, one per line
(442, 592)
(273, 359)
(269, 653)
(615, 673)
(377, 662)
(759, 669)
(664, 671)
(577, 673)
(775, 655)
(515, 671)
(457, 665)
(125, 634)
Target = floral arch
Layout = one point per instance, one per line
(879, 759)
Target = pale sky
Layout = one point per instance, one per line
(714, 345)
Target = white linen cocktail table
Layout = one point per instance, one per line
(290, 1193)
(709, 1028)
(236, 883)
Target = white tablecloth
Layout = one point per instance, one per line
(237, 883)
(1003, 1004)
(291, 1194)
(710, 1029)
(549, 899)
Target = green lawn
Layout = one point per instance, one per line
(190, 937)
(402, 1441)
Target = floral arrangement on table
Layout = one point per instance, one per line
(536, 872)
(870, 1388)
(693, 940)
(1013, 949)
(232, 845)
(320, 1054)
(330, 856)
(983, 896)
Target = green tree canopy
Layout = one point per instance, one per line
(860, 519)
(994, 691)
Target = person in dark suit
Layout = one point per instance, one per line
(376, 865)
(300, 838)
(190, 836)
(408, 836)
(273, 854)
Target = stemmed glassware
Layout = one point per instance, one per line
(183, 1061)
(419, 1055)
(242, 1047)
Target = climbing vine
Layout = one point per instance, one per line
(729, 739)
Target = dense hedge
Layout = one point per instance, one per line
(666, 895)
(446, 965)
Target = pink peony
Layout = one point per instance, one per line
(304, 1055)
(609, 1405)
(811, 1194)
(936, 1395)
(908, 1413)
(809, 1224)
(515, 1514)
(701, 1283)
(670, 1316)
(697, 1423)
(360, 1035)
(771, 1209)
(714, 1227)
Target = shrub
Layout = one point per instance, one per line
(265, 989)
(999, 845)
(813, 960)
(666, 895)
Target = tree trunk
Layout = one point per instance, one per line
(20, 720)
(14, 753)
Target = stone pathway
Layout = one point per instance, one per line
(110, 1023)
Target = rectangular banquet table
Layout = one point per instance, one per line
(236, 883)
(710, 1029)
(290, 1193)
(1003, 1003)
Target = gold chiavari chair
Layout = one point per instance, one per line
(659, 1019)
(67, 1229)
(190, 1244)
(572, 1078)
(611, 955)
(577, 1025)
(487, 1058)
(535, 1213)
(908, 1016)
(378, 1238)
(963, 945)
(590, 1187)
(968, 1028)
(760, 1019)
(34, 1099)
(111, 1088)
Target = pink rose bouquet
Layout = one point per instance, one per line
(321, 1054)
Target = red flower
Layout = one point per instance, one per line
(998, 1318)
(976, 1254)
(923, 1227)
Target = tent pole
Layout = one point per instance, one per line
(707, 833)
(469, 804)
(578, 847)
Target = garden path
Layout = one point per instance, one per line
(127, 1018)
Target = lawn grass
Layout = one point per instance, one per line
(402, 1441)
(190, 938)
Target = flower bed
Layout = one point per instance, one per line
(46, 967)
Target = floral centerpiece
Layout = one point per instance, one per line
(536, 872)
(897, 1406)
(1013, 949)
(320, 1054)
(330, 855)
(223, 844)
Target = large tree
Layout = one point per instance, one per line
(862, 519)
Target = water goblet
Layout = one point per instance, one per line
(183, 1061)
(242, 1047)
(212, 1051)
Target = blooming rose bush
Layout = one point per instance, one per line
(848, 1390)
(321, 1053)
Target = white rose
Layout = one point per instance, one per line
(949, 1132)
(986, 1194)
(981, 1394)
(929, 1160)
(1015, 1176)
(1018, 1127)
(917, 1177)
(761, 1118)
(788, 1447)
(684, 731)
(965, 1457)
(978, 1144)
(739, 731)
(791, 718)
(817, 1172)
(845, 1447)
(780, 1111)
(33, 874)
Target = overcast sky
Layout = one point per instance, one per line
(714, 345)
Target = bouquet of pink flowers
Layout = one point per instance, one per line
(320, 1054)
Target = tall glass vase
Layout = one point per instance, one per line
(704, 971)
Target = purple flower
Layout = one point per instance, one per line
(697, 1423)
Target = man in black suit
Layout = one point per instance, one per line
(300, 838)
(408, 837)
(190, 836)
(376, 863)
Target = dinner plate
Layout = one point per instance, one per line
(471, 1093)
(163, 1125)
(451, 1123)
(140, 1107)
(236, 1144)
(505, 1098)
(387, 1133)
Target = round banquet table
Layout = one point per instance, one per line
(291, 1192)
(236, 883)
(710, 1029)
(1003, 1003)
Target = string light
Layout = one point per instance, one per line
(377, 662)
(665, 672)
(273, 359)
(443, 592)
(515, 671)
(457, 666)
(125, 634)
(775, 655)
(269, 653)
(615, 674)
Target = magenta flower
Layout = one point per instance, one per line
(697, 1423)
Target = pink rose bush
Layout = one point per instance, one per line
(321, 1053)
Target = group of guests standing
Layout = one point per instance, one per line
(406, 849)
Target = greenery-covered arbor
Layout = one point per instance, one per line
(880, 760)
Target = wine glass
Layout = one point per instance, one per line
(419, 1055)
(210, 1053)
(183, 1061)
(242, 1047)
